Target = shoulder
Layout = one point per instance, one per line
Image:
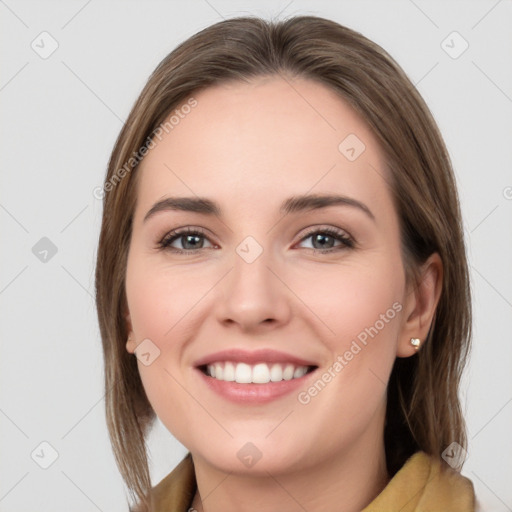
(175, 492)
(446, 485)
(425, 483)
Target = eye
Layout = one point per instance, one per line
(191, 239)
(326, 237)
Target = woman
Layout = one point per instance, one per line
(281, 278)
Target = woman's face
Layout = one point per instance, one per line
(279, 285)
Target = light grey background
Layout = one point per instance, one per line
(60, 118)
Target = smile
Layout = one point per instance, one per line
(256, 376)
(260, 373)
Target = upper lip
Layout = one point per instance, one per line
(252, 357)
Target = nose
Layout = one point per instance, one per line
(254, 296)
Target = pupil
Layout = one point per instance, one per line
(323, 237)
(188, 237)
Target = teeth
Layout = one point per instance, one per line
(299, 372)
(243, 373)
(229, 372)
(276, 373)
(288, 372)
(260, 373)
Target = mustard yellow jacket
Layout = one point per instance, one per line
(419, 486)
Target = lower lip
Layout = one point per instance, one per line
(254, 393)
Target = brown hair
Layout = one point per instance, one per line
(423, 411)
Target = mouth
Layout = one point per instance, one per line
(254, 377)
(260, 373)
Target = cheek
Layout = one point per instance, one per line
(164, 303)
(160, 298)
(362, 307)
(158, 302)
(352, 302)
(360, 312)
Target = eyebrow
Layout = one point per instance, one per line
(291, 205)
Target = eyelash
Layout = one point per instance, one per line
(169, 238)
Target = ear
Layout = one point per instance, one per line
(130, 342)
(420, 305)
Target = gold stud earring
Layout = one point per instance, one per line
(415, 342)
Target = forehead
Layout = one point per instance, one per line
(269, 137)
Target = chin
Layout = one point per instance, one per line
(253, 455)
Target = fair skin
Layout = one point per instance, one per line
(249, 147)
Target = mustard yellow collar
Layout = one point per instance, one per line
(421, 486)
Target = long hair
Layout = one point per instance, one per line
(423, 408)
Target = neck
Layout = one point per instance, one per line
(348, 481)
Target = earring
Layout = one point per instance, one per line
(415, 342)
(128, 341)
